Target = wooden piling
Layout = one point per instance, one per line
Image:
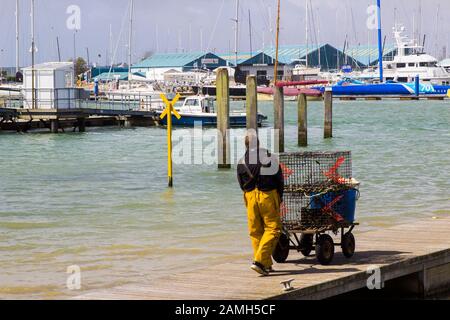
(278, 103)
(81, 122)
(54, 125)
(128, 122)
(223, 118)
(302, 121)
(252, 103)
(328, 126)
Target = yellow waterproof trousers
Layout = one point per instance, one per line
(264, 224)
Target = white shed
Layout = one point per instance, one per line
(54, 86)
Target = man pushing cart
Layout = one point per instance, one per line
(299, 204)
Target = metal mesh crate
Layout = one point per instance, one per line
(315, 219)
(308, 175)
(291, 209)
(314, 169)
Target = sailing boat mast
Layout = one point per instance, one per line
(437, 29)
(250, 32)
(33, 48)
(270, 27)
(17, 37)
(307, 32)
(380, 45)
(58, 48)
(236, 36)
(277, 45)
(319, 45)
(111, 47)
(201, 39)
(130, 42)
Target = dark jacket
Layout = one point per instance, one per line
(262, 171)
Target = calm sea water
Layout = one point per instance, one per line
(99, 199)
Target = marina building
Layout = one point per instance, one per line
(158, 65)
(98, 70)
(120, 76)
(367, 56)
(241, 57)
(322, 57)
(261, 64)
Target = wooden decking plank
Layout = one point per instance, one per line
(390, 248)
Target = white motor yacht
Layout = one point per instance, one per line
(411, 61)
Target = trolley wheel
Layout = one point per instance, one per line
(306, 244)
(281, 252)
(325, 249)
(348, 245)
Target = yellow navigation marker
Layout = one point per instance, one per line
(448, 93)
(168, 113)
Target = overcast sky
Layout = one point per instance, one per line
(177, 25)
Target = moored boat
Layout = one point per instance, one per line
(409, 62)
(236, 90)
(349, 87)
(200, 110)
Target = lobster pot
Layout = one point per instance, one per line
(292, 208)
(315, 168)
(311, 181)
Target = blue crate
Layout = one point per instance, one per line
(346, 207)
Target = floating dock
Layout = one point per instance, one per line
(393, 97)
(414, 257)
(23, 120)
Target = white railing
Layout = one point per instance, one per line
(70, 98)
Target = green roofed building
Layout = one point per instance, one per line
(157, 65)
(241, 57)
(98, 70)
(120, 76)
(366, 56)
(324, 56)
(106, 76)
(261, 62)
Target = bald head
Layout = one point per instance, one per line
(251, 141)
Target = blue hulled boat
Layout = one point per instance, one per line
(411, 72)
(351, 87)
(200, 110)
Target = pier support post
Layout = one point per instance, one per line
(417, 86)
(128, 122)
(328, 99)
(81, 122)
(302, 121)
(54, 126)
(252, 103)
(278, 103)
(223, 118)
